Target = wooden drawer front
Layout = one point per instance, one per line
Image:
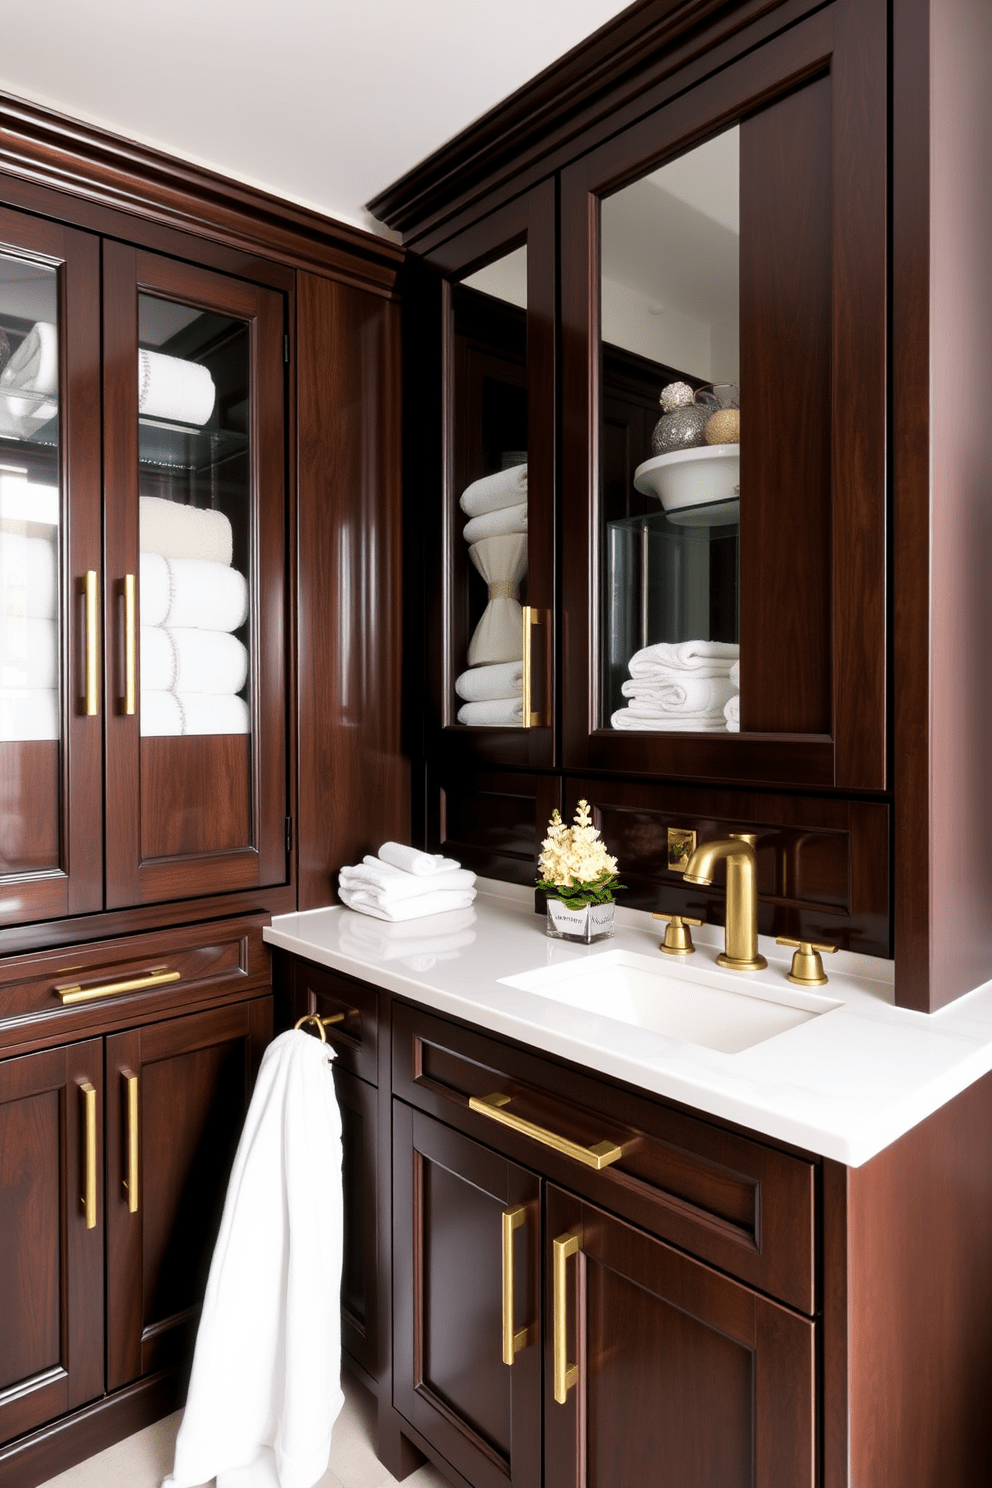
(110, 983)
(744, 1207)
(327, 993)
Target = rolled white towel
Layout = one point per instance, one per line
(732, 713)
(668, 723)
(439, 901)
(208, 661)
(691, 695)
(502, 562)
(412, 860)
(173, 388)
(32, 370)
(192, 593)
(480, 684)
(171, 714)
(29, 653)
(387, 884)
(28, 577)
(494, 492)
(495, 713)
(497, 523)
(28, 713)
(174, 530)
(735, 674)
(700, 658)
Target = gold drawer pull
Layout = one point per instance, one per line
(494, 1106)
(532, 617)
(565, 1374)
(512, 1340)
(75, 993)
(88, 1196)
(131, 1181)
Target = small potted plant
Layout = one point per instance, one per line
(579, 878)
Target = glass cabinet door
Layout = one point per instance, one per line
(50, 590)
(195, 664)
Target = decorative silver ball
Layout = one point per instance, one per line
(681, 429)
(675, 395)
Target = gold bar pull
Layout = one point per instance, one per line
(131, 1181)
(88, 1196)
(91, 591)
(494, 1107)
(130, 646)
(75, 993)
(565, 1374)
(512, 1341)
(532, 617)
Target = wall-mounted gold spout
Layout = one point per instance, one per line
(741, 933)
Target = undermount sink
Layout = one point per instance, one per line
(695, 1005)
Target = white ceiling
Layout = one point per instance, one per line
(325, 102)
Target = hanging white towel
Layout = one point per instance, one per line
(504, 680)
(28, 713)
(265, 1391)
(166, 714)
(436, 902)
(29, 653)
(494, 492)
(496, 713)
(28, 577)
(496, 523)
(388, 885)
(502, 562)
(191, 593)
(207, 661)
(33, 372)
(412, 860)
(700, 658)
(172, 388)
(174, 530)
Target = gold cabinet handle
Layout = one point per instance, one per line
(512, 1340)
(532, 617)
(91, 591)
(494, 1107)
(565, 1374)
(75, 993)
(327, 1022)
(131, 1179)
(88, 1196)
(130, 646)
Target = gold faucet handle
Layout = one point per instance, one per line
(678, 937)
(807, 968)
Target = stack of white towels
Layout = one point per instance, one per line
(492, 689)
(192, 666)
(685, 686)
(405, 884)
(29, 638)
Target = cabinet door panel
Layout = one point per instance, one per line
(194, 1077)
(684, 1378)
(51, 1264)
(450, 1380)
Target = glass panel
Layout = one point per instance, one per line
(489, 424)
(670, 475)
(195, 535)
(31, 653)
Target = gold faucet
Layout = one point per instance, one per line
(741, 934)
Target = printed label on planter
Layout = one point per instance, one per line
(571, 921)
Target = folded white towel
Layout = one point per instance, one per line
(700, 658)
(174, 530)
(437, 902)
(28, 713)
(388, 885)
(732, 713)
(671, 723)
(209, 661)
(172, 388)
(496, 523)
(29, 653)
(494, 492)
(495, 713)
(412, 860)
(28, 577)
(192, 593)
(735, 674)
(689, 695)
(479, 684)
(171, 713)
(502, 562)
(32, 370)
(265, 1390)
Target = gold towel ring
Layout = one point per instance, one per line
(321, 1023)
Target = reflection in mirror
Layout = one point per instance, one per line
(670, 434)
(489, 459)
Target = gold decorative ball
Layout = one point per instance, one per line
(724, 427)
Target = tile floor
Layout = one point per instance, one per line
(142, 1460)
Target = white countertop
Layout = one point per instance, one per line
(844, 1084)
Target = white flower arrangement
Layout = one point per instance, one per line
(574, 863)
